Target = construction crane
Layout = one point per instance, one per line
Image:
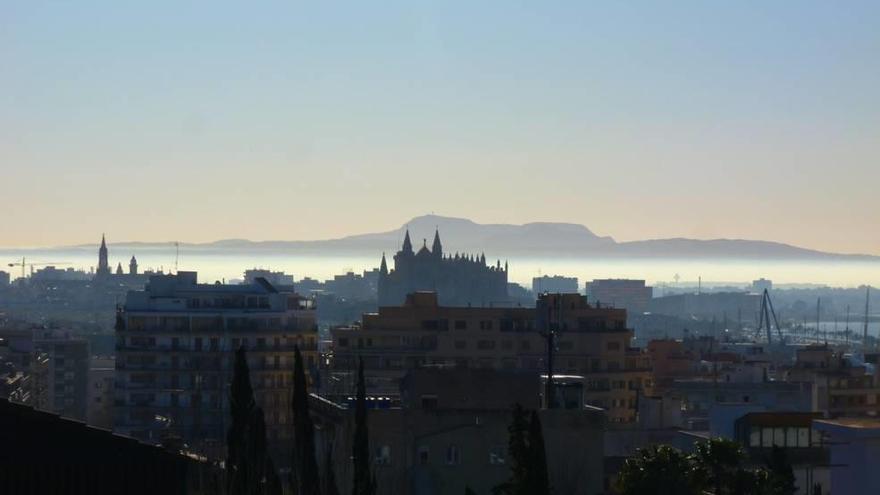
(764, 319)
(23, 263)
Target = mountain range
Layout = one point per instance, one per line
(540, 239)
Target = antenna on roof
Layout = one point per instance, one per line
(176, 255)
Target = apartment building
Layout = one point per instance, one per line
(67, 372)
(174, 357)
(450, 433)
(632, 295)
(592, 346)
(842, 389)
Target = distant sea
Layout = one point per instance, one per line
(215, 264)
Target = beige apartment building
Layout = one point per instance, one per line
(592, 347)
(842, 389)
(175, 354)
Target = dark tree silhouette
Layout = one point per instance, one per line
(718, 465)
(780, 473)
(469, 491)
(305, 468)
(518, 452)
(363, 483)
(657, 470)
(328, 479)
(249, 468)
(537, 479)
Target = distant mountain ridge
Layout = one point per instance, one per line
(531, 239)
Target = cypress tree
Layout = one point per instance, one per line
(329, 479)
(306, 477)
(518, 452)
(363, 484)
(537, 479)
(781, 474)
(241, 406)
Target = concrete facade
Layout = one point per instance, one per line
(175, 351)
(592, 343)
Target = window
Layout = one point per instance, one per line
(791, 437)
(383, 455)
(198, 344)
(755, 437)
(485, 324)
(453, 455)
(766, 437)
(497, 454)
(613, 346)
(460, 324)
(803, 435)
(423, 455)
(486, 345)
(779, 437)
(429, 402)
(460, 344)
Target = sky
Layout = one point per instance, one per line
(206, 120)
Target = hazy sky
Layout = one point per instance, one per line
(301, 120)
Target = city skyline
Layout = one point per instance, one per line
(748, 121)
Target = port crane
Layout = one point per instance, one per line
(23, 263)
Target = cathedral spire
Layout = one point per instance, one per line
(383, 267)
(437, 247)
(407, 244)
(103, 262)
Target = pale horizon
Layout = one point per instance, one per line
(292, 121)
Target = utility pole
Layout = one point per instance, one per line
(846, 330)
(550, 335)
(818, 311)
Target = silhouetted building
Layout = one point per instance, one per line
(556, 283)
(631, 295)
(45, 453)
(278, 279)
(451, 431)
(106, 277)
(761, 284)
(707, 305)
(103, 261)
(174, 357)
(100, 394)
(459, 280)
(68, 372)
(4, 279)
(593, 346)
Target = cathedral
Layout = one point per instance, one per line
(459, 280)
(103, 273)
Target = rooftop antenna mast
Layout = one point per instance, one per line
(846, 330)
(867, 306)
(176, 255)
(818, 312)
